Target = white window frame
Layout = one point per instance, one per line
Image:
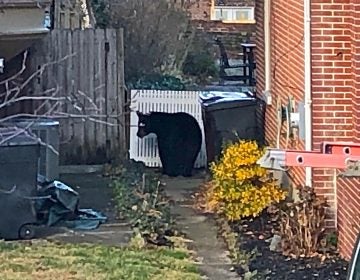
(232, 10)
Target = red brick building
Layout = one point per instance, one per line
(231, 20)
(312, 49)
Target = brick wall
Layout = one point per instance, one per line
(335, 68)
(348, 215)
(199, 10)
(232, 34)
(331, 86)
(287, 62)
(348, 192)
(354, 19)
(335, 90)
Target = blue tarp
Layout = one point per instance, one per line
(58, 206)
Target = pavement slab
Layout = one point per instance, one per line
(201, 229)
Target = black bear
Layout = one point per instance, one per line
(179, 140)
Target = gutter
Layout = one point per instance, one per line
(307, 86)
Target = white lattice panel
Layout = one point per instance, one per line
(145, 101)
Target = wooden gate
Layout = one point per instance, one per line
(90, 64)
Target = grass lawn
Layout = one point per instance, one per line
(45, 261)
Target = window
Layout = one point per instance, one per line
(233, 14)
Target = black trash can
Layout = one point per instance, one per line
(229, 116)
(19, 155)
(47, 130)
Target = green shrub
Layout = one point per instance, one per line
(158, 82)
(101, 13)
(141, 200)
(200, 64)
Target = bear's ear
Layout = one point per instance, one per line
(139, 113)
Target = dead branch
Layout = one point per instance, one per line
(48, 103)
(17, 90)
(25, 130)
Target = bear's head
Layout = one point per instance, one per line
(144, 125)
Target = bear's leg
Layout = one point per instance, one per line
(166, 165)
(189, 159)
(188, 164)
(168, 161)
(172, 173)
(173, 165)
(170, 169)
(187, 171)
(163, 158)
(165, 171)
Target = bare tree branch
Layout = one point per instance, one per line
(48, 103)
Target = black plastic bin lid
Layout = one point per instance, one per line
(13, 136)
(219, 100)
(34, 123)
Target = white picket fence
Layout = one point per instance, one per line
(145, 101)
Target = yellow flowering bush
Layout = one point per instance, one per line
(241, 187)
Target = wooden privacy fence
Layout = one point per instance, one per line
(145, 101)
(90, 66)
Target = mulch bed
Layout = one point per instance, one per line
(256, 233)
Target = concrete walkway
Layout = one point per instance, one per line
(201, 229)
(95, 193)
